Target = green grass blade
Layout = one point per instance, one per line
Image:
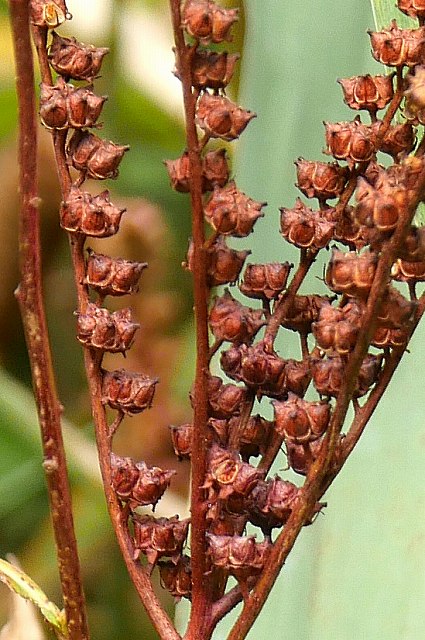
(386, 10)
(20, 583)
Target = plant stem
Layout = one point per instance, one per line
(29, 295)
(92, 362)
(201, 604)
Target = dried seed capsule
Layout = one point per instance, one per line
(399, 139)
(265, 281)
(351, 141)
(159, 537)
(207, 22)
(230, 320)
(254, 437)
(91, 215)
(215, 171)
(304, 227)
(211, 70)
(300, 421)
(150, 486)
(271, 503)
(404, 271)
(224, 264)
(351, 273)
(241, 556)
(415, 95)
(412, 8)
(337, 327)
(124, 475)
(181, 437)
(231, 212)
(76, 60)
(221, 118)
(228, 476)
(301, 456)
(379, 206)
(177, 578)
(98, 158)
(225, 400)
(100, 329)
(385, 338)
(396, 47)
(349, 232)
(113, 276)
(321, 180)
(53, 106)
(328, 374)
(48, 13)
(304, 311)
(128, 392)
(367, 92)
(63, 106)
(413, 247)
(396, 311)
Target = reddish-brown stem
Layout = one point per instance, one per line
(201, 593)
(92, 361)
(30, 298)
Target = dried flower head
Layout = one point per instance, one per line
(397, 47)
(100, 329)
(225, 400)
(136, 483)
(351, 141)
(208, 22)
(90, 215)
(215, 171)
(320, 180)
(367, 92)
(98, 159)
(351, 273)
(211, 69)
(230, 320)
(76, 60)
(405, 271)
(304, 311)
(48, 13)
(328, 374)
(224, 263)
(265, 281)
(113, 276)
(304, 227)
(159, 537)
(177, 578)
(299, 420)
(181, 437)
(271, 503)
(231, 212)
(336, 328)
(219, 117)
(127, 391)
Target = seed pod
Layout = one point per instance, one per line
(328, 374)
(351, 273)
(398, 139)
(53, 106)
(396, 47)
(265, 281)
(396, 311)
(228, 476)
(254, 437)
(63, 106)
(379, 207)
(240, 556)
(215, 171)
(304, 227)
(304, 311)
(385, 338)
(181, 437)
(219, 117)
(230, 320)
(225, 400)
(300, 421)
(177, 578)
(48, 13)
(211, 70)
(337, 327)
(207, 22)
(301, 456)
(159, 537)
(231, 212)
(128, 392)
(413, 247)
(271, 503)
(351, 141)
(150, 486)
(415, 95)
(404, 271)
(113, 276)
(124, 475)
(91, 215)
(76, 60)
(349, 232)
(367, 92)
(98, 159)
(412, 8)
(100, 329)
(321, 180)
(224, 264)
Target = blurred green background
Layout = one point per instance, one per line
(359, 572)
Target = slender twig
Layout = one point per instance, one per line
(201, 593)
(29, 295)
(139, 577)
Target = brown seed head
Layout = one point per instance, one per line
(215, 171)
(207, 22)
(224, 264)
(76, 60)
(230, 320)
(150, 486)
(219, 117)
(367, 92)
(301, 456)
(396, 47)
(231, 212)
(300, 421)
(159, 537)
(265, 281)
(124, 475)
(100, 329)
(321, 180)
(177, 578)
(328, 374)
(90, 215)
(379, 207)
(127, 391)
(351, 273)
(53, 105)
(303, 311)
(399, 139)
(113, 276)
(404, 271)
(211, 70)
(225, 400)
(271, 503)
(412, 8)
(97, 158)
(337, 327)
(46, 13)
(304, 227)
(413, 247)
(181, 437)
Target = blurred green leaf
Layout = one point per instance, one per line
(22, 584)
(385, 10)
(8, 110)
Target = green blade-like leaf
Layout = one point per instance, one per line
(20, 583)
(386, 10)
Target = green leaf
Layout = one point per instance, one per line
(20, 583)
(385, 10)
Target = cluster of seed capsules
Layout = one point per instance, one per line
(74, 111)
(236, 491)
